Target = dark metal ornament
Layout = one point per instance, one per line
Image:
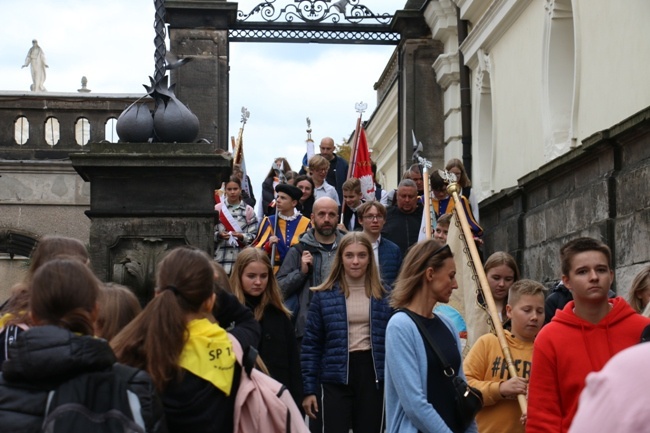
(135, 124)
(171, 121)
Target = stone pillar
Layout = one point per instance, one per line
(146, 198)
(199, 30)
(420, 100)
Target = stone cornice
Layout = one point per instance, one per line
(491, 27)
(441, 17)
(447, 69)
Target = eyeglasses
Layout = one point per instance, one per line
(373, 217)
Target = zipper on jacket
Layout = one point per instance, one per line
(347, 337)
(372, 349)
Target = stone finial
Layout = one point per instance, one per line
(84, 83)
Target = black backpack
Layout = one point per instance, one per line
(97, 402)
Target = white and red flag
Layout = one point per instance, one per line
(362, 168)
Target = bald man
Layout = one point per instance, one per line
(308, 263)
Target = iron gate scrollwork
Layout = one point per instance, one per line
(346, 22)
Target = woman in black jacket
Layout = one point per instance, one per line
(60, 352)
(254, 284)
(176, 339)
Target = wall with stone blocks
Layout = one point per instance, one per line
(599, 189)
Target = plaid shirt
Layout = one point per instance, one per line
(225, 254)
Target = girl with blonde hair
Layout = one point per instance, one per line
(343, 345)
(639, 295)
(253, 283)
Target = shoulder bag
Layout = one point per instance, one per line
(469, 400)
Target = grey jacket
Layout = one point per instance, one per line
(295, 285)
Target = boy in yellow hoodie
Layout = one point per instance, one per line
(486, 368)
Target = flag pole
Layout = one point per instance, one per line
(245, 114)
(426, 164)
(359, 107)
(453, 188)
(279, 169)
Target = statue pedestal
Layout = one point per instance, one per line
(146, 198)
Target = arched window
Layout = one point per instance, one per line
(559, 79)
(82, 131)
(483, 145)
(110, 133)
(21, 130)
(52, 131)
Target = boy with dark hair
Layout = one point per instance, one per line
(581, 338)
(486, 368)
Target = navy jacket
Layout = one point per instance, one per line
(324, 356)
(390, 260)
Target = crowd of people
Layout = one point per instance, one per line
(341, 301)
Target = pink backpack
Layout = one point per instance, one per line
(263, 403)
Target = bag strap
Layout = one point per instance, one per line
(447, 369)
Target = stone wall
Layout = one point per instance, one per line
(39, 198)
(599, 189)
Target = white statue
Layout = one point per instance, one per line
(36, 59)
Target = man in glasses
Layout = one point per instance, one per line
(318, 167)
(372, 216)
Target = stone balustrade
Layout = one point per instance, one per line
(51, 125)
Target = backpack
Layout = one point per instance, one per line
(262, 403)
(97, 402)
(293, 301)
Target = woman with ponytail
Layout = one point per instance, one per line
(60, 349)
(175, 339)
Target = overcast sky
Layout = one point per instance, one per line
(111, 43)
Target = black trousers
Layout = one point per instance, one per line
(357, 405)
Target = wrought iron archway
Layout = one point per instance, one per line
(308, 21)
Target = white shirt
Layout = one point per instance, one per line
(326, 190)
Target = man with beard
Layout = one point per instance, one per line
(307, 263)
(403, 219)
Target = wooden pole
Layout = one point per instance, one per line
(454, 189)
(427, 196)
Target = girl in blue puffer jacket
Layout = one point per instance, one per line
(342, 356)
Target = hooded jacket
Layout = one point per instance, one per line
(486, 368)
(42, 358)
(295, 285)
(615, 400)
(565, 352)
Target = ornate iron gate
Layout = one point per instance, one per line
(320, 21)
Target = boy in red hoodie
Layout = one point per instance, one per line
(580, 339)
